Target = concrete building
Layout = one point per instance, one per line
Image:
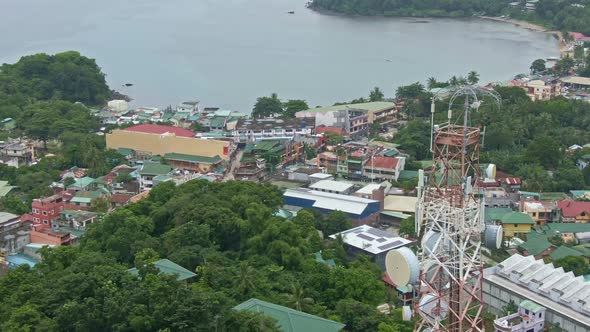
(515, 223)
(17, 152)
(540, 211)
(358, 209)
(252, 130)
(380, 112)
(384, 168)
(543, 88)
(331, 186)
(530, 317)
(118, 105)
(565, 296)
(46, 210)
(315, 177)
(155, 140)
(574, 211)
(302, 174)
(148, 171)
(370, 241)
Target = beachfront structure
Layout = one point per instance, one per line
(370, 241)
(357, 208)
(178, 145)
(565, 297)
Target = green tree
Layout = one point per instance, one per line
(411, 91)
(198, 127)
(376, 94)
(473, 77)
(509, 308)
(124, 178)
(267, 106)
(564, 65)
(543, 150)
(334, 222)
(334, 138)
(293, 106)
(100, 204)
(538, 66)
(14, 204)
(296, 299)
(576, 264)
(408, 227)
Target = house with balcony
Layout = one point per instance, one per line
(543, 88)
(384, 168)
(148, 171)
(540, 211)
(530, 317)
(253, 130)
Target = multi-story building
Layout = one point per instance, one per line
(347, 116)
(252, 130)
(17, 152)
(384, 168)
(574, 211)
(543, 88)
(46, 210)
(530, 317)
(541, 211)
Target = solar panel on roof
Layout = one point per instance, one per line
(366, 237)
(379, 233)
(381, 240)
(390, 245)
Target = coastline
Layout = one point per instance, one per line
(533, 27)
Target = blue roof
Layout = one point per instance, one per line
(20, 259)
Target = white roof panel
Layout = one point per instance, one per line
(337, 186)
(370, 239)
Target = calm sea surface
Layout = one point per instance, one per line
(228, 52)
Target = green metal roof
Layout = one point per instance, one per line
(5, 188)
(265, 145)
(396, 214)
(277, 149)
(82, 182)
(580, 194)
(249, 148)
(367, 107)
(562, 252)
(285, 214)
(530, 306)
(353, 161)
(291, 320)
(81, 200)
(535, 246)
(217, 122)
(166, 266)
(565, 228)
(552, 196)
(495, 214)
(408, 175)
(154, 169)
(125, 151)
(517, 218)
(320, 259)
(75, 232)
(391, 153)
(584, 249)
(195, 159)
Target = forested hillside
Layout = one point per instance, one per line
(223, 231)
(563, 15)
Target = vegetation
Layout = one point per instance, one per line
(272, 106)
(556, 15)
(223, 231)
(576, 264)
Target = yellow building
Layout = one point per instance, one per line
(176, 144)
(515, 223)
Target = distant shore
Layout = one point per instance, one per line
(532, 27)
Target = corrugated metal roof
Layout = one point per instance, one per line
(331, 185)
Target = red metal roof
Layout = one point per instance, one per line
(579, 36)
(121, 198)
(383, 162)
(512, 181)
(572, 209)
(159, 130)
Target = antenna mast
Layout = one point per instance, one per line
(450, 221)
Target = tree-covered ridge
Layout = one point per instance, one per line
(227, 234)
(63, 76)
(563, 15)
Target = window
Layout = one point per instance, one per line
(45, 222)
(534, 214)
(36, 219)
(44, 213)
(515, 225)
(540, 315)
(52, 211)
(36, 211)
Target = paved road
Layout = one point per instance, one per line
(235, 163)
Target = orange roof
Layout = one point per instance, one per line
(571, 209)
(383, 162)
(159, 130)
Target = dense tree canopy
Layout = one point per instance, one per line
(227, 234)
(66, 76)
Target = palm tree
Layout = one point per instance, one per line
(297, 299)
(454, 81)
(472, 77)
(246, 277)
(431, 83)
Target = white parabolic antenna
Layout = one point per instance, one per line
(402, 266)
(493, 236)
(491, 171)
(406, 313)
(429, 242)
(430, 309)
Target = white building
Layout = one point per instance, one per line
(565, 297)
(118, 105)
(252, 130)
(331, 186)
(530, 317)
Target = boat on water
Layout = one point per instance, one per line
(291, 12)
(552, 58)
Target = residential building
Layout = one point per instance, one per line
(77, 219)
(371, 242)
(331, 186)
(372, 190)
(516, 223)
(17, 152)
(252, 130)
(189, 106)
(302, 174)
(358, 209)
(384, 168)
(315, 177)
(46, 210)
(194, 163)
(168, 267)
(118, 105)
(510, 184)
(543, 88)
(52, 236)
(148, 171)
(541, 211)
(380, 112)
(565, 297)
(565, 251)
(329, 161)
(290, 320)
(120, 200)
(530, 317)
(400, 204)
(5, 188)
(569, 232)
(574, 211)
(577, 82)
(155, 140)
(536, 246)
(579, 38)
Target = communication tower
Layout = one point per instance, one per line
(449, 222)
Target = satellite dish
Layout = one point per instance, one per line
(429, 242)
(402, 266)
(491, 171)
(406, 313)
(432, 308)
(493, 236)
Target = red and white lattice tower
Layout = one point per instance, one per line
(449, 220)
